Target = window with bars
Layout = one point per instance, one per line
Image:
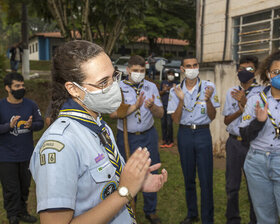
(256, 34)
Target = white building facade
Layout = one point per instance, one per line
(226, 30)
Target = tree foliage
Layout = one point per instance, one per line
(106, 21)
(165, 18)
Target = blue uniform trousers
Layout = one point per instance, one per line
(148, 139)
(195, 148)
(236, 154)
(167, 127)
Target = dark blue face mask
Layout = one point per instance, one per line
(244, 76)
(275, 82)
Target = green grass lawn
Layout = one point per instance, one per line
(171, 199)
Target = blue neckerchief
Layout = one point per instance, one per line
(75, 111)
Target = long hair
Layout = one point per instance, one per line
(66, 67)
(266, 64)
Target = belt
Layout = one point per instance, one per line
(140, 132)
(238, 138)
(194, 126)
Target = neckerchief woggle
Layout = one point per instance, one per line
(197, 96)
(73, 110)
(137, 90)
(247, 91)
(264, 100)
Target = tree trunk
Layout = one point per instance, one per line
(60, 17)
(85, 24)
(24, 33)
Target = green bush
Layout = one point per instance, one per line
(2, 65)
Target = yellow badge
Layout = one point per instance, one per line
(158, 97)
(247, 117)
(216, 99)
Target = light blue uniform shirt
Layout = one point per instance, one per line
(231, 106)
(199, 115)
(72, 170)
(265, 140)
(147, 120)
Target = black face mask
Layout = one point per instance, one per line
(244, 76)
(18, 94)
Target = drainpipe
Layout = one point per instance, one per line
(226, 29)
(202, 30)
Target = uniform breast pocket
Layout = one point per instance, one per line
(103, 172)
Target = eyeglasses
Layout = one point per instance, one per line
(107, 81)
(249, 69)
(275, 72)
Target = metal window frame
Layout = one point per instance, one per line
(238, 43)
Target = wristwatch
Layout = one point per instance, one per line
(123, 192)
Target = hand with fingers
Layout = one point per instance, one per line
(13, 121)
(261, 114)
(240, 96)
(135, 170)
(150, 102)
(179, 92)
(136, 174)
(28, 122)
(154, 182)
(140, 100)
(208, 92)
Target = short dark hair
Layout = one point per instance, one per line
(8, 80)
(171, 71)
(266, 64)
(136, 60)
(187, 57)
(248, 59)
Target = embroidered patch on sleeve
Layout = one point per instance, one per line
(50, 144)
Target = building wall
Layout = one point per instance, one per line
(214, 24)
(33, 47)
(221, 73)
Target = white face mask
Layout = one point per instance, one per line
(137, 77)
(103, 101)
(191, 73)
(170, 77)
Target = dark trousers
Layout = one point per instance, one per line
(195, 148)
(236, 154)
(15, 179)
(149, 140)
(167, 127)
(152, 72)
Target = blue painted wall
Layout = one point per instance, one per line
(44, 46)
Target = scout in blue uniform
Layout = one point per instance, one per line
(140, 122)
(166, 120)
(236, 99)
(260, 127)
(79, 173)
(193, 105)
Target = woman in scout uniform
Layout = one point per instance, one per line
(80, 176)
(260, 128)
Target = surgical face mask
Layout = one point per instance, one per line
(275, 81)
(18, 94)
(103, 101)
(244, 76)
(191, 73)
(170, 77)
(137, 77)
